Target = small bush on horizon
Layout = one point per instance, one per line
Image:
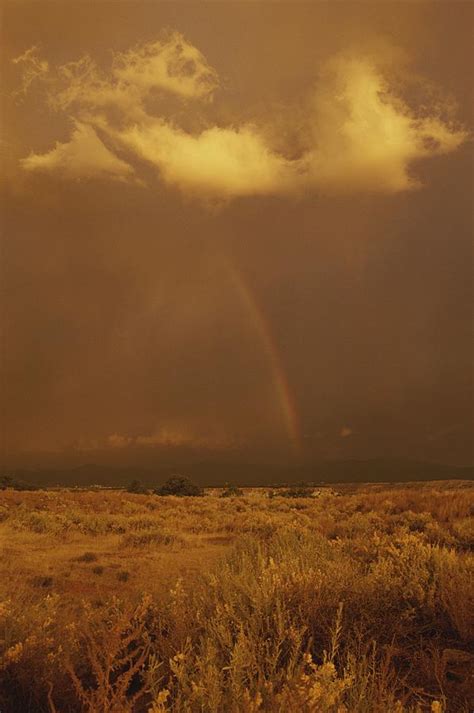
(297, 492)
(231, 491)
(180, 486)
(137, 487)
(7, 481)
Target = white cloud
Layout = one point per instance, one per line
(33, 67)
(173, 65)
(167, 436)
(220, 162)
(354, 132)
(116, 440)
(84, 156)
(365, 138)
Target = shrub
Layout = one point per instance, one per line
(297, 492)
(6, 481)
(87, 557)
(137, 487)
(42, 581)
(231, 491)
(180, 486)
(360, 604)
(154, 537)
(114, 650)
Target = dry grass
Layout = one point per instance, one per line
(114, 602)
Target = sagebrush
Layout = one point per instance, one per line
(357, 603)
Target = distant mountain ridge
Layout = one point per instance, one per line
(208, 474)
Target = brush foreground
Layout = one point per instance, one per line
(113, 602)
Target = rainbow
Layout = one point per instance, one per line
(283, 394)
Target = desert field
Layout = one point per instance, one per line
(358, 600)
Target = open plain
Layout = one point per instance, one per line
(358, 600)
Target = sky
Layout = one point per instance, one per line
(241, 229)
